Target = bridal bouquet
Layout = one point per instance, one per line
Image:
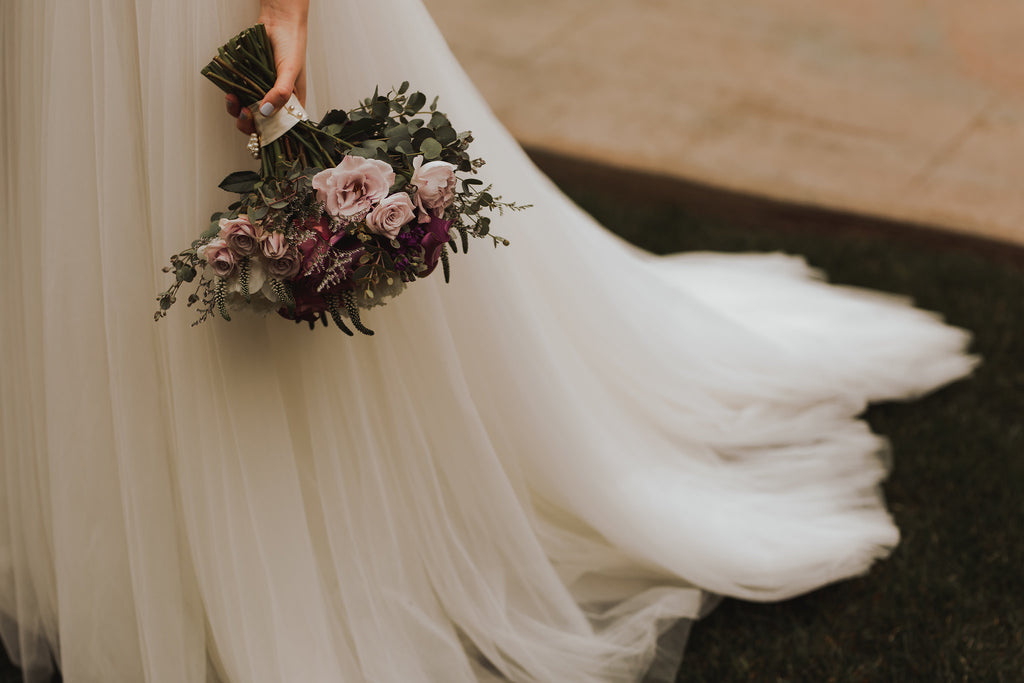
(343, 213)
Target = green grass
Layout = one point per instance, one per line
(949, 604)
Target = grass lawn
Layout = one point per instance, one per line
(949, 604)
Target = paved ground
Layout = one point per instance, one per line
(908, 109)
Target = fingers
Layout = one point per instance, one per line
(242, 116)
(288, 75)
(300, 87)
(233, 106)
(244, 122)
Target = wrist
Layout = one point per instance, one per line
(284, 12)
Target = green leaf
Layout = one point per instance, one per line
(259, 212)
(416, 102)
(431, 148)
(421, 135)
(240, 182)
(445, 135)
(359, 127)
(402, 88)
(362, 152)
(397, 132)
(380, 108)
(334, 117)
(438, 120)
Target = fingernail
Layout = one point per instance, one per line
(244, 114)
(266, 109)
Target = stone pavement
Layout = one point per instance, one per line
(907, 109)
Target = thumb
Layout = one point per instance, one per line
(277, 96)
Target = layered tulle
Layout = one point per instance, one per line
(530, 473)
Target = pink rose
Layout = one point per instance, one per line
(435, 187)
(274, 244)
(390, 215)
(219, 256)
(242, 237)
(354, 186)
(285, 266)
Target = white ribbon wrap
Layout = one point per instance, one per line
(280, 122)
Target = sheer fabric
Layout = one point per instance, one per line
(528, 474)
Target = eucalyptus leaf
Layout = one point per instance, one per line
(362, 152)
(402, 88)
(397, 132)
(445, 135)
(437, 120)
(421, 135)
(431, 148)
(416, 102)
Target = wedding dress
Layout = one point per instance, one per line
(529, 474)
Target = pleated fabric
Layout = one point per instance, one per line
(536, 473)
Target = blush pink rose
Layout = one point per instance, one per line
(219, 256)
(241, 236)
(391, 214)
(435, 187)
(354, 186)
(285, 266)
(274, 244)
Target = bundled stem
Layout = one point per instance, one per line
(244, 67)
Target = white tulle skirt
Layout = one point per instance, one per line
(530, 473)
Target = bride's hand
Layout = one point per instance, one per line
(285, 21)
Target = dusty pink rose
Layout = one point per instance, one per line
(435, 187)
(391, 214)
(242, 237)
(286, 265)
(219, 256)
(354, 186)
(274, 244)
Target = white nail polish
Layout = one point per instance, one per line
(266, 109)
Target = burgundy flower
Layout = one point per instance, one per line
(433, 243)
